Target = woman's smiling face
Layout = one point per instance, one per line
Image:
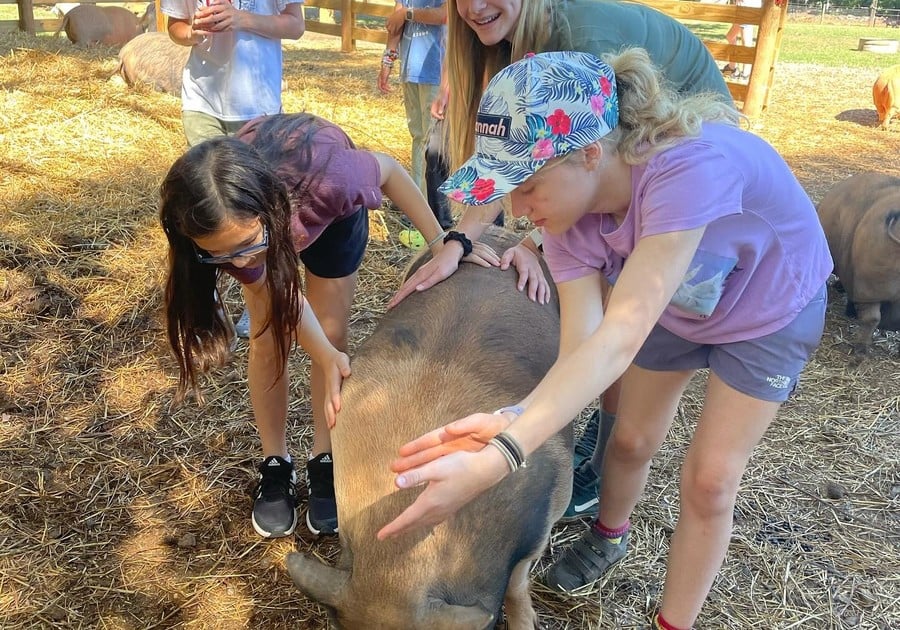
(491, 20)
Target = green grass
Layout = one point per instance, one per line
(821, 44)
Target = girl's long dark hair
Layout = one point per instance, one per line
(218, 180)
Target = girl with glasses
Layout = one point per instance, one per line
(287, 189)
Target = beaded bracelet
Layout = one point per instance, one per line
(389, 57)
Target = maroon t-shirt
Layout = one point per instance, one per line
(326, 176)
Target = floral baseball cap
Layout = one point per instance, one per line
(539, 108)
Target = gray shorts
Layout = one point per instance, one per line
(766, 368)
(199, 126)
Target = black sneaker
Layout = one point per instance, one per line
(584, 447)
(586, 561)
(275, 498)
(321, 517)
(585, 499)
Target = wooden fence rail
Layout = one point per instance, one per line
(754, 95)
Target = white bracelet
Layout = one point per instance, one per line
(437, 238)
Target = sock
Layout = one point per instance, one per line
(613, 535)
(661, 624)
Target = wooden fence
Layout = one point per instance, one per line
(753, 95)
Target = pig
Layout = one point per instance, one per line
(471, 343)
(89, 24)
(153, 59)
(861, 219)
(886, 94)
(148, 20)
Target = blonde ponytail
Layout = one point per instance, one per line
(652, 116)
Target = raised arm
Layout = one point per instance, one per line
(446, 262)
(583, 370)
(221, 16)
(402, 190)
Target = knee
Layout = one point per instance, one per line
(708, 491)
(338, 338)
(335, 331)
(630, 445)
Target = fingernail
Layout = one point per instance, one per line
(401, 481)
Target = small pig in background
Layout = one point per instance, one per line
(155, 60)
(886, 94)
(89, 24)
(861, 220)
(471, 343)
(148, 20)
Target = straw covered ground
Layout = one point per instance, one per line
(120, 511)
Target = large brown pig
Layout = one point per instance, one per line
(89, 24)
(154, 59)
(471, 343)
(886, 93)
(861, 219)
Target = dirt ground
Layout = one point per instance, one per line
(119, 510)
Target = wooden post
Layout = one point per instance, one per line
(161, 25)
(767, 40)
(26, 16)
(348, 19)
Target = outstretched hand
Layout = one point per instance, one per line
(452, 481)
(531, 275)
(468, 434)
(441, 267)
(335, 372)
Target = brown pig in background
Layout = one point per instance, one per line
(861, 219)
(472, 343)
(155, 60)
(89, 24)
(886, 94)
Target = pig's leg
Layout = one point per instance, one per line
(520, 613)
(869, 315)
(890, 316)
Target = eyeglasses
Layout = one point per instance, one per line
(243, 253)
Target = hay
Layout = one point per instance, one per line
(118, 511)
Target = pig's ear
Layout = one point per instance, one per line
(318, 581)
(440, 615)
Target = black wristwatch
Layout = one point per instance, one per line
(409, 15)
(462, 239)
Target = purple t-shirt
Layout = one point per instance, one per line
(326, 183)
(762, 257)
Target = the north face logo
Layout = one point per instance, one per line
(779, 381)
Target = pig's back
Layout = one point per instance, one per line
(471, 344)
